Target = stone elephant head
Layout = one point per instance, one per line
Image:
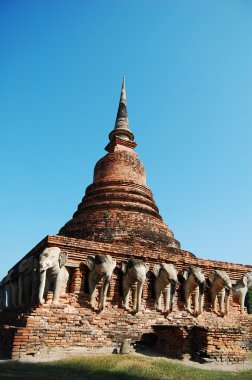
(28, 281)
(53, 273)
(220, 284)
(241, 288)
(166, 278)
(100, 268)
(194, 280)
(134, 274)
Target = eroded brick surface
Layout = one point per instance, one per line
(75, 327)
(118, 206)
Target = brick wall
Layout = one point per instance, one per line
(75, 327)
(204, 344)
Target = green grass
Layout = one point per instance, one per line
(250, 356)
(112, 367)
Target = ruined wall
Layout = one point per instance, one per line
(204, 344)
(75, 327)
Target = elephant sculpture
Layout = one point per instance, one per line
(7, 289)
(241, 288)
(194, 280)
(134, 275)
(53, 273)
(166, 280)
(220, 285)
(28, 281)
(100, 268)
(11, 289)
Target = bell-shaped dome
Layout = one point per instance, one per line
(120, 164)
(118, 206)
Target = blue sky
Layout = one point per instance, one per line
(189, 91)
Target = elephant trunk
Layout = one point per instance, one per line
(104, 291)
(42, 287)
(173, 289)
(139, 291)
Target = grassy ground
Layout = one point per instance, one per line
(250, 356)
(112, 367)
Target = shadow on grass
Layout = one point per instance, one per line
(114, 367)
(35, 371)
(60, 371)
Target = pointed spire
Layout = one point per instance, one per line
(121, 128)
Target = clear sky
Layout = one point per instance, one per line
(188, 68)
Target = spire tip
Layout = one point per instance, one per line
(121, 128)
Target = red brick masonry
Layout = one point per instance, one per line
(74, 327)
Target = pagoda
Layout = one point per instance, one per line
(118, 207)
(93, 286)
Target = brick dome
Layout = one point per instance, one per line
(118, 206)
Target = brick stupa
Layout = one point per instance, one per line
(117, 217)
(118, 207)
